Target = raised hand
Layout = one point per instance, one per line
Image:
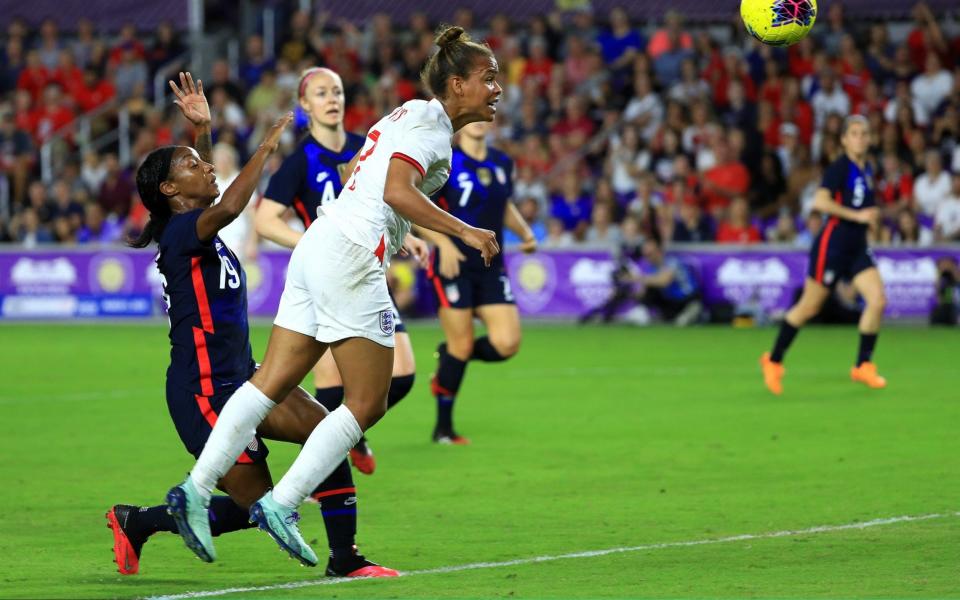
(272, 139)
(190, 99)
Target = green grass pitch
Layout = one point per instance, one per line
(592, 438)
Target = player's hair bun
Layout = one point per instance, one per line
(457, 54)
(451, 35)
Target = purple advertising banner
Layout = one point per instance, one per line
(110, 282)
(115, 282)
(566, 284)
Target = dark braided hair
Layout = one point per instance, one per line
(153, 172)
(456, 55)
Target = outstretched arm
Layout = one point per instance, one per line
(237, 196)
(402, 195)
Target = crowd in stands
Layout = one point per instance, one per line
(685, 132)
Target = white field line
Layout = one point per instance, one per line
(587, 554)
(34, 396)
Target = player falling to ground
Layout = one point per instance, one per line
(307, 180)
(204, 287)
(840, 251)
(478, 192)
(336, 296)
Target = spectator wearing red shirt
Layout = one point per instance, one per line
(360, 114)
(127, 41)
(34, 77)
(854, 74)
(737, 228)
(772, 88)
(871, 101)
(925, 37)
(670, 37)
(96, 91)
(68, 75)
(52, 115)
(728, 179)
(894, 186)
(575, 119)
(733, 68)
(800, 58)
(768, 124)
(794, 109)
(539, 67)
(23, 111)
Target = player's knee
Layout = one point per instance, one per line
(460, 348)
(367, 408)
(506, 345)
(877, 301)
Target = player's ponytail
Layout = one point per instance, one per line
(455, 56)
(153, 172)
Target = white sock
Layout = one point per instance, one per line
(325, 449)
(236, 426)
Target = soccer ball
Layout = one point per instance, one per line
(778, 22)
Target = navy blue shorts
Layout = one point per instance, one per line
(194, 416)
(836, 256)
(474, 286)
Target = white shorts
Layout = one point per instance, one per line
(335, 289)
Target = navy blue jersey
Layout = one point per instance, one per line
(310, 176)
(205, 289)
(477, 193)
(854, 188)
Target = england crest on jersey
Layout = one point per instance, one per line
(386, 322)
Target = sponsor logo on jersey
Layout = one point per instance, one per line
(386, 322)
(501, 175)
(484, 176)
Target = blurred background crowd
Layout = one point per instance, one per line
(687, 131)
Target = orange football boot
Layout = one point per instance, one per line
(867, 373)
(772, 374)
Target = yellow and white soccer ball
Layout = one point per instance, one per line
(778, 22)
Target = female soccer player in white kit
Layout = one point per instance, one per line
(336, 294)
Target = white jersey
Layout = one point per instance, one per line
(418, 132)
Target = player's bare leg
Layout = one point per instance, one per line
(811, 301)
(293, 421)
(453, 356)
(329, 392)
(365, 368)
(870, 287)
(503, 330)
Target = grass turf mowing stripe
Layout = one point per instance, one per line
(585, 554)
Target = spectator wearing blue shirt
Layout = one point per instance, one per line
(620, 45)
(572, 206)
